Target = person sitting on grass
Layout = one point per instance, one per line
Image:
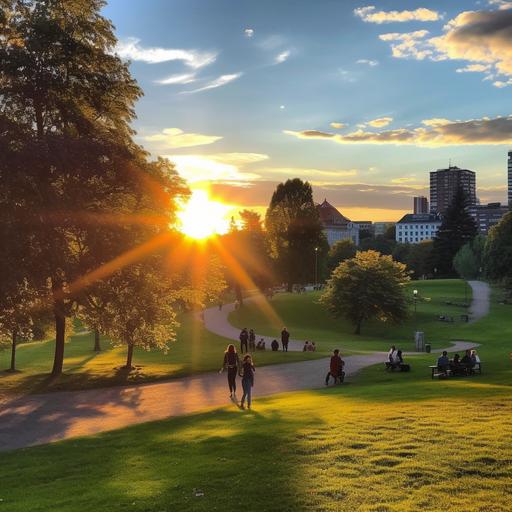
(312, 347)
(274, 345)
(305, 348)
(261, 344)
(335, 368)
(474, 357)
(443, 363)
(397, 361)
(391, 354)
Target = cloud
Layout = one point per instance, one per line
(249, 32)
(131, 49)
(308, 173)
(221, 167)
(436, 121)
(481, 38)
(218, 82)
(501, 4)
(176, 138)
(272, 42)
(282, 57)
(185, 78)
(403, 179)
(371, 63)
(370, 15)
(338, 126)
(483, 131)
(380, 122)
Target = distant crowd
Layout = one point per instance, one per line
(248, 341)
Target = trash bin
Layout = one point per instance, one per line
(427, 348)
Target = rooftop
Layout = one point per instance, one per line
(330, 215)
(419, 218)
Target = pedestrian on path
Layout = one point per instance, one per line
(335, 368)
(247, 374)
(244, 338)
(285, 338)
(232, 365)
(252, 340)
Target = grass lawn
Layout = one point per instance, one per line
(196, 350)
(382, 443)
(307, 319)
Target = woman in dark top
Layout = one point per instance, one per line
(231, 364)
(247, 374)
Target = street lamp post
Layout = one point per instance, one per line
(316, 266)
(435, 272)
(415, 296)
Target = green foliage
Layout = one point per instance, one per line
(457, 229)
(340, 251)
(369, 286)
(469, 260)
(294, 230)
(380, 243)
(498, 249)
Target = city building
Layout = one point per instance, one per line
(487, 216)
(380, 228)
(445, 182)
(510, 179)
(414, 228)
(337, 226)
(420, 205)
(365, 225)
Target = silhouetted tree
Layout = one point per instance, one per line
(498, 250)
(457, 229)
(294, 230)
(469, 259)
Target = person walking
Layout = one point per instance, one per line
(335, 368)
(244, 338)
(231, 364)
(252, 340)
(247, 374)
(285, 338)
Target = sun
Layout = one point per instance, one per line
(202, 217)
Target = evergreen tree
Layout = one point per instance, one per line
(294, 231)
(457, 228)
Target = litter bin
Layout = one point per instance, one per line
(427, 348)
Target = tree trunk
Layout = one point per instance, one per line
(60, 336)
(129, 357)
(358, 327)
(13, 351)
(97, 346)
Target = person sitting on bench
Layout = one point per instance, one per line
(467, 362)
(456, 366)
(443, 363)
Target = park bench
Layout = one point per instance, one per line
(438, 372)
(444, 318)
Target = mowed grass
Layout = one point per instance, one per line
(195, 350)
(307, 319)
(390, 445)
(383, 442)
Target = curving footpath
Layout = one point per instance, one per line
(45, 418)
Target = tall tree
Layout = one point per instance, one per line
(498, 250)
(294, 231)
(68, 159)
(368, 286)
(457, 228)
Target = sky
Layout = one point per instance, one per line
(362, 99)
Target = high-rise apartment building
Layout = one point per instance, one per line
(445, 182)
(420, 205)
(510, 179)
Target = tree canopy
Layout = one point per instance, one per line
(294, 231)
(498, 249)
(368, 286)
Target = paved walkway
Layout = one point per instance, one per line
(481, 302)
(39, 419)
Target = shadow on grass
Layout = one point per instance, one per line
(201, 462)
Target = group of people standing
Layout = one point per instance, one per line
(248, 343)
